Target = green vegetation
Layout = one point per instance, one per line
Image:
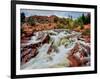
(69, 23)
(31, 21)
(86, 32)
(22, 18)
(51, 22)
(75, 24)
(82, 20)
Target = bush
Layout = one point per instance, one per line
(86, 32)
(31, 21)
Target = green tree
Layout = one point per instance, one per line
(83, 19)
(88, 18)
(22, 18)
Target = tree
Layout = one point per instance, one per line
(88, 18)
(83, 19)
(22, 18)
(79, 22)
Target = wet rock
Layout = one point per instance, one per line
(46, 39)
(74, 62)
(28, 54)
(75, 49)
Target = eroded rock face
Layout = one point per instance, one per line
(78, 55)
(30, 51)
(55, 48)
(28, 54)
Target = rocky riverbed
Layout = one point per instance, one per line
(54, 49)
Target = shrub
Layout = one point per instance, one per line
(31, 21)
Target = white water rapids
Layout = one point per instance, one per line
(55, 59)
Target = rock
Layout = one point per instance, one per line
(75, 49)
(74, 62)
(25, 52)
(45, 39)
(28, 54)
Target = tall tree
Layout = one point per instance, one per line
(22, 17)
(88, 18)
(83, 18)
